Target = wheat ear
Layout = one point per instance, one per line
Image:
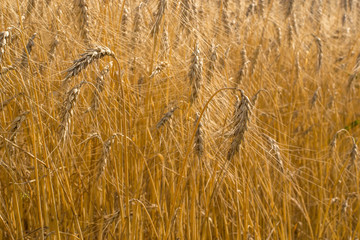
(85, 60)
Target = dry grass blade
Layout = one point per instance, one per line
(86, 59)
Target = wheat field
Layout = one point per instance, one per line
(190, 119)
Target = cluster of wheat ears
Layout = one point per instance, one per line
(179, 119)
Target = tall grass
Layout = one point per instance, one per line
(218, 119)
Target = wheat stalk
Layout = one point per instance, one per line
(278, 34)
(185, 15)
(212, 62)
(124, 22)
(53, 45)
(16, 124)
(68, 109)
(198, 141)
(275, 148)
(99, 87)
(82, 6)
(85, 60)
(250, 9)
(314, 97)
(355, 72)
(261, 7)
(297, 68)
(289, 8)
(138, 25)
(353, 154)
(255, 59)
(30, 6)
(6, 69)
(320, 52)
(242, 113)
(159, 16)
(165, 42)
(243, 68)
(3, 41)
(7, 101)
(158, 69)
(27, 51)
(195, 73)
(165, 118)
(225, 21)
(290, 35)
(105, 155)
(294, 24)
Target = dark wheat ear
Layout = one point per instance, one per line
(85, 60)
(241, 118)
(16, 124)
(199, 140)
(166, 117)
